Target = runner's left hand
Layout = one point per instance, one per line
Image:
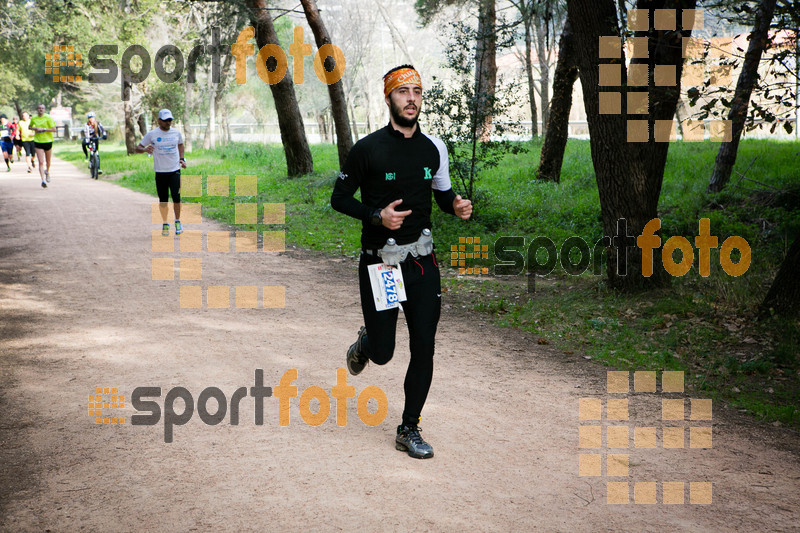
(462, 207)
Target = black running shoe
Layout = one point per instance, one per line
(409, 440)
(356, 360)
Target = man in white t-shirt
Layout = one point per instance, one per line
(165, 144)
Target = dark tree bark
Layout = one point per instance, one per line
(628, 174)
(344, 138)
(555, 140)
(528, 15)
(485, 66)
(323, 127)
(141, 121)
(130, 123)
(664, 48)
(784, 294)
(188, 89)
(188, 97)
(219, 93)
(290, 121)
(544, 70)
(726, 156)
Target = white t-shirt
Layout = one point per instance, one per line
(165, 157)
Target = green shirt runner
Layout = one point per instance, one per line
(45, 121)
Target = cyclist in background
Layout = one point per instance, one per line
(92, 132)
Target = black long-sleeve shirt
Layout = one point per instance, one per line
(387, 166)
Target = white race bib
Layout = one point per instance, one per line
(388, 288)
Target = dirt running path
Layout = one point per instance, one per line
(79, 310)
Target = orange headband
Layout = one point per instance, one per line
(403, 76)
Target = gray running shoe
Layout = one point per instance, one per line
(356, 360)
(409, 440)
(47, 176)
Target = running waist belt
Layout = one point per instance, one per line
(394, 254)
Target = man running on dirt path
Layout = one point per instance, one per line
(166, 146)
(396, 168)
(44, 127)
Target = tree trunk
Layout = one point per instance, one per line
(529, 72)
(188, 91)
(679, 114)
(211, 124)
(226, 125)
(290, 121)
(544, 69)
(188, 104)
(130, 124)
(323, 133)
(555, 140)
(219, 93)
(130, 129)
(485, 67)
(784, 294)
(664, 48)
(628, 174)
(141, 121)
(344, 138)
(353, 119)
(369, 113)
(726, 156)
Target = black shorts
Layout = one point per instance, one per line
(44, 146)
(29, 149)
(17, 142)
(169, 183)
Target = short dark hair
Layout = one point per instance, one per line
(398, 68)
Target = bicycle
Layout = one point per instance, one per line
(94, 157)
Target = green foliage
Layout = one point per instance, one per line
(774, 85)
(457, 111)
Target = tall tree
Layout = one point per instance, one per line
(726, 157)
(290, 121)
(555, 140)
(344, 139)
(130, 121)
(486, 64)
(526, 13)
(628, 155)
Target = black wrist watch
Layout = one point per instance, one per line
(375, 218)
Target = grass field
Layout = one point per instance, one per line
(704, 326)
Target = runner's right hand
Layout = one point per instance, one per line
(392, 219)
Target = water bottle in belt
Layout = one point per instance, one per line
(391, 252)
(425, 243)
